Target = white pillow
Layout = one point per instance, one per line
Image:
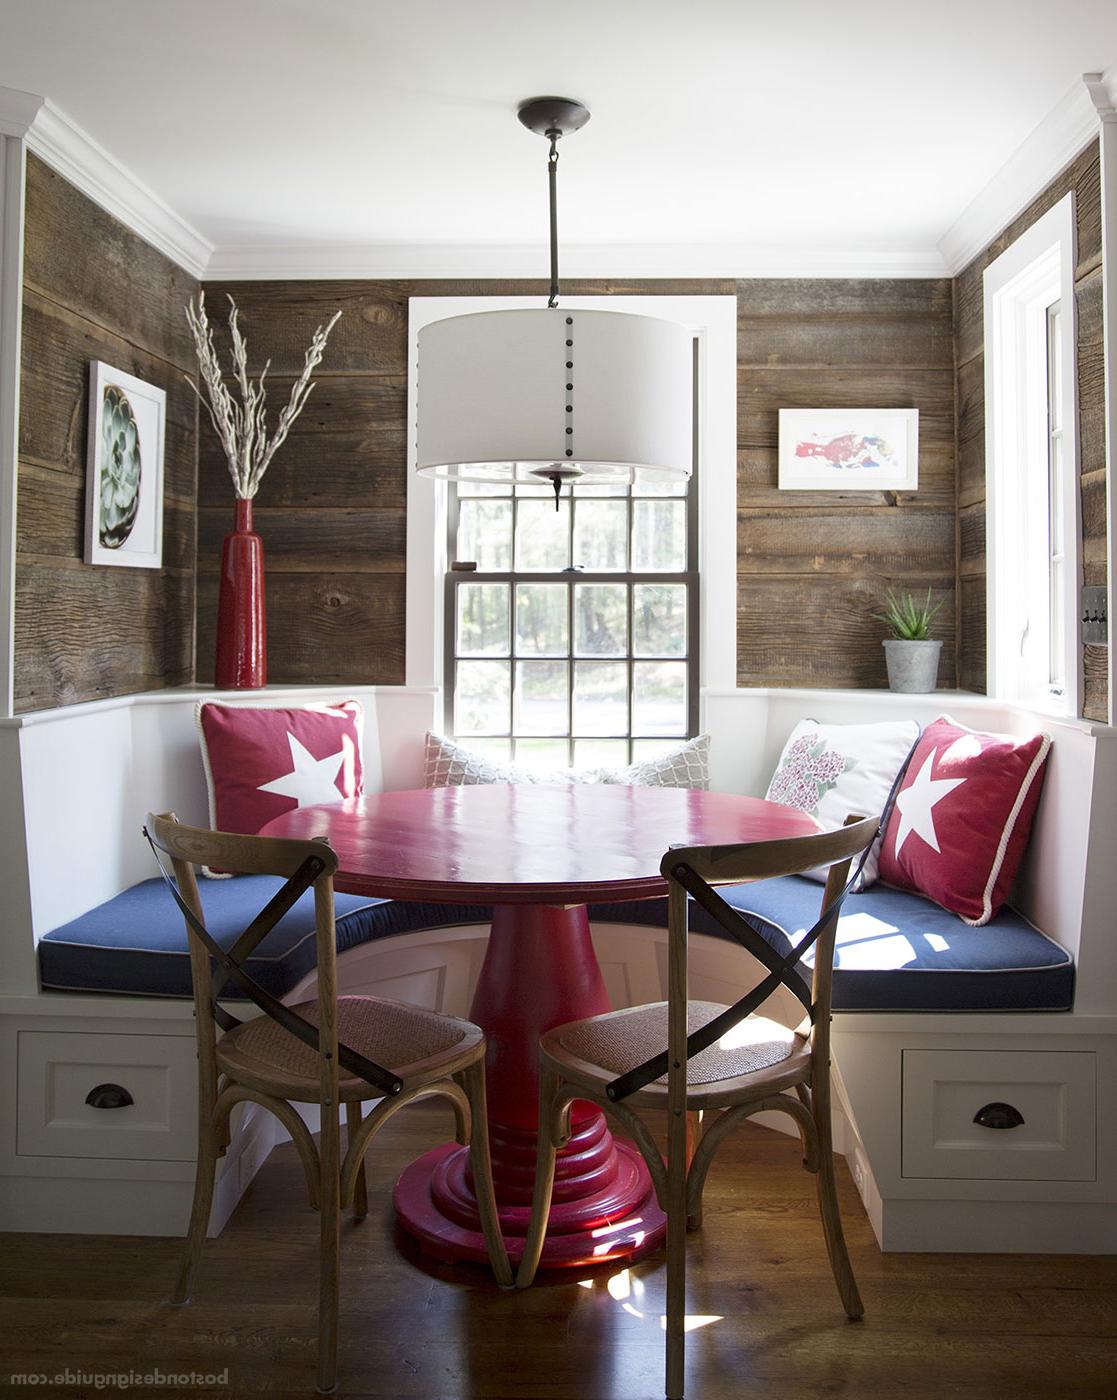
(448, 764)
(834, 771)
(687, 766)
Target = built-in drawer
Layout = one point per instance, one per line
(999, 1115)
(146, 1087)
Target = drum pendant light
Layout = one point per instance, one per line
(551, 394)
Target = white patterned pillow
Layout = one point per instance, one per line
(687, 766)
(834, 771)
(448, 764)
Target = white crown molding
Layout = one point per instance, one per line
(86, 164)
(18, 110)
(1102, 88)
(391, 262)
(1054, 143)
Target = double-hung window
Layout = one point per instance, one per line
(572, 634)
(1032, 484)
(580, 636)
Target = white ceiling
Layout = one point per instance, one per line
(861, 125)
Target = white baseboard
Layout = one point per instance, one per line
(999, 1227)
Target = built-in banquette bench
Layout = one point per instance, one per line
(898, 954)
(896, 951)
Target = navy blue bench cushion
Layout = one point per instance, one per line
(897, 951)
(136, 942)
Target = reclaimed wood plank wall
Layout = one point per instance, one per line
(93, 290)
(813, 565)
(332, 507)
(1083, 177)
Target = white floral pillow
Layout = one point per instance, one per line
(834, 771)
(448, 764)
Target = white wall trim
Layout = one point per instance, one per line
(97, 173)
(1036, 268)
(403, 262)
(715, 317)
(1054, 143)
(174, 695)
(1103, 92)
(17, 111)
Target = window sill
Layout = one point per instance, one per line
(915, 705)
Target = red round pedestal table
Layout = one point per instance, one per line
(538, 855)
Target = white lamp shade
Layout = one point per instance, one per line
(497, 392)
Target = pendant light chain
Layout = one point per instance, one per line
(552, 182)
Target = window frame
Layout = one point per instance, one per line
(713, 319)
(690, 578)
(1019, 289)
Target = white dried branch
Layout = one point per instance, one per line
(300, 392)
(242, 427)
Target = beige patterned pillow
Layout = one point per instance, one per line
(448, 764)
(687, 766)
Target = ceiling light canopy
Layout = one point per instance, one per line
(554, 394)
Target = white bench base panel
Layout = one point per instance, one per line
(48, 1044)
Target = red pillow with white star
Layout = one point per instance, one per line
(262, 761)
(962, 817)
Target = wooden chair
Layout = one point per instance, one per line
(332, 1051)
(719, 1058)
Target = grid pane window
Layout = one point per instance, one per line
(542, 536)
(659, 619)
(600, 698)
(572, 638)
(541, 704)
(483, 619)
(485, 532)
(542, 619)
(658, 536)
(600, 619)
(482, 691)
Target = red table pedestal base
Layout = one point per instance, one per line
(435, 1205)
(540, 971)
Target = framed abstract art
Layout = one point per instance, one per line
(849, 449)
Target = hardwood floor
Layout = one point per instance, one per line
(1005, 1327)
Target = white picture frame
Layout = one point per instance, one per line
(124, 470)
(849, 449)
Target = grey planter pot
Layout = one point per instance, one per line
(913, 667)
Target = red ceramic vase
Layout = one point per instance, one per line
(242, 660)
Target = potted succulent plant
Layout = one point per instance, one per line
(911, 654)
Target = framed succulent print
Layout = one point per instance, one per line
(854, 449)
(124, 470)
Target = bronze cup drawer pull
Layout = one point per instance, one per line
(999, 1115)
(109, 1096)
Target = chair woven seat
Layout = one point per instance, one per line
(402, 1038)
(620, 1040)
